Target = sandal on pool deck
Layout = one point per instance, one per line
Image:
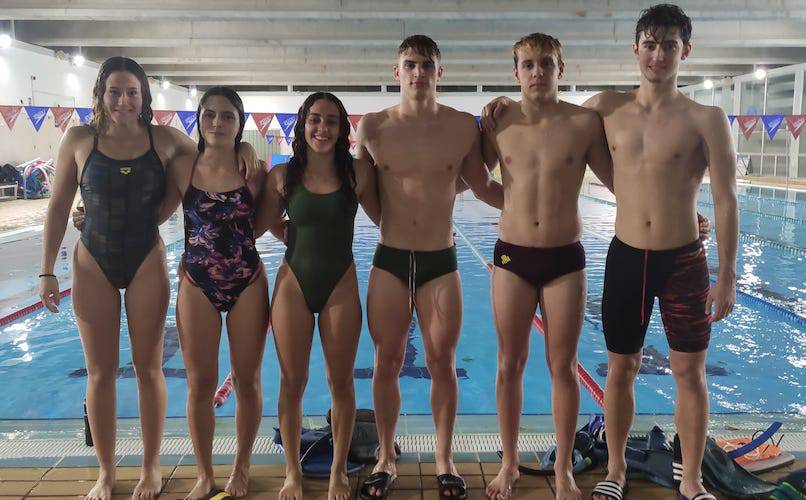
(381, 481)
(448, 483)
(609, 489)
(699, 496)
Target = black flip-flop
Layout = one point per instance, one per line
(381, 481)
(448, 483)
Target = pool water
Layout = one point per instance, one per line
(756, 361)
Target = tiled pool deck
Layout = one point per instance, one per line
(416, 481)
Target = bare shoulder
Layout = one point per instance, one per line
(78, 135)
(580, 114)
(371, 121)
(706, 115)
(608, 101)
(377, 117)
(463, 122)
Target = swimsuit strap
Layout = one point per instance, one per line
(192, 172)
(150, 137)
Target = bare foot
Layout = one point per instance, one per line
(149, 486)
(204, 485)
(387, 465)
(565, 486)
(292, 487)
(619, 478)
(238, 484)
(500, 488)
(339, 486)
(102, 489)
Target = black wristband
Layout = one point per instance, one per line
(48, 275)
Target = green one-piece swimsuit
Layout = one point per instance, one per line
(320, 241)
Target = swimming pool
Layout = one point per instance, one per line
(756, 362)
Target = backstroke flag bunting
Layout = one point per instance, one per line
(188, 119)
(287, 122)
(10, 114)
(796, 123)
(37, 115)
(84, 115)
(62, 116)
(164, 117)
(263, 122)
(747, 123)
(772, 123)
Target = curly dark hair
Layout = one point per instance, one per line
(343, 159)
(662, 17)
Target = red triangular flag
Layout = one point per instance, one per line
(747, 123)
(10, 114)
(263, 122)
(354, 119)
(165, 118)
(62, 116)
(796, 123)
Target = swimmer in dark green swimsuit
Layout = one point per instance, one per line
(319, 190)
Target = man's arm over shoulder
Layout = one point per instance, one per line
(473, 172)
(604, 102)
(720, 156)
(365, 132)
(270, 207)
(367, 189)
(598, 154)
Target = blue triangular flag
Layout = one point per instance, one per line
(84, 115)
(246, 117)
(37, 115)
(269, 139)
(289, 140)
(731, 118)
(287, 122)
(188, 119)
(772, 123)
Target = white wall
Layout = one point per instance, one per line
(31, 75)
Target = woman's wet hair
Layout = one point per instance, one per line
(100, 120)
(236, 102)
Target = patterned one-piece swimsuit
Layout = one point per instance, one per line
(220, 256)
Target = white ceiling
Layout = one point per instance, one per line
(254, 44)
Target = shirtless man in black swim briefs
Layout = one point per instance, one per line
(420, 148)
(543, 146)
